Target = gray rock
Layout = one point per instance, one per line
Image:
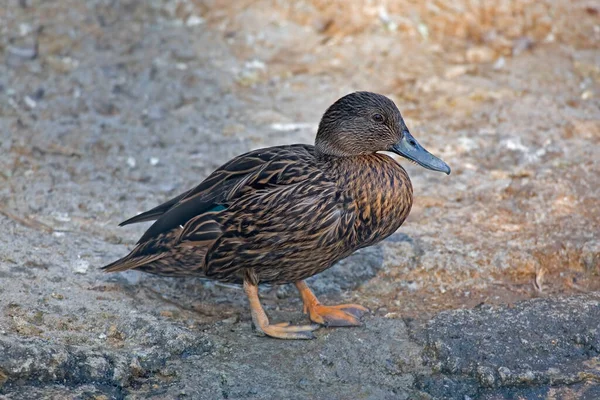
(129, 81)
(542, 343)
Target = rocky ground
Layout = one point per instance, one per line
(490, 290)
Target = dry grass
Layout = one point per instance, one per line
(504, 25)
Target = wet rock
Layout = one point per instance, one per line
(356, 363)
(58, 391)
(37, 360)
(486, 376)
(540, 342)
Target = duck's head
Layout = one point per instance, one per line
(364, 123)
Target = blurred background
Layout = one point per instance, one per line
(110, 107)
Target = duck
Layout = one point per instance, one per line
(282, 214)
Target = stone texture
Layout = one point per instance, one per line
(540, 343)
(488, 291)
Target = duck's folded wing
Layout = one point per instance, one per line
(301, 223)
(156, 212)
(248, 172)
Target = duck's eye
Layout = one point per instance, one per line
(377, 118)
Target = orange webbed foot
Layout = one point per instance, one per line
(340, 315)
(284, 330)
(336, 316)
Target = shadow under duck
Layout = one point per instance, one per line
(282, 214)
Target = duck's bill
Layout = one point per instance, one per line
(409, 148)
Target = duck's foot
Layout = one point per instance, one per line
(340, 315)
(283, 330)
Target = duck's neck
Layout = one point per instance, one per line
(378, 189)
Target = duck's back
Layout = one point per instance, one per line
(254, 170)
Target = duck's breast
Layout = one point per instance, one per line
(382, 194)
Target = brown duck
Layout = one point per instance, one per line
(285, 213)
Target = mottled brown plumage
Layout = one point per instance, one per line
(285, 213)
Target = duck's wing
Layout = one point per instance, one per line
(156, 212)
(249, 171)
(193, 218)
(262, 204)
(294, 226)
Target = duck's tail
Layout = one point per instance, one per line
(159, 256)
(129, 262)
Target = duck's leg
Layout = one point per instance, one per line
(282, 330)
(340, 315)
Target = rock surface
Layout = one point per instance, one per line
(488, 291)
